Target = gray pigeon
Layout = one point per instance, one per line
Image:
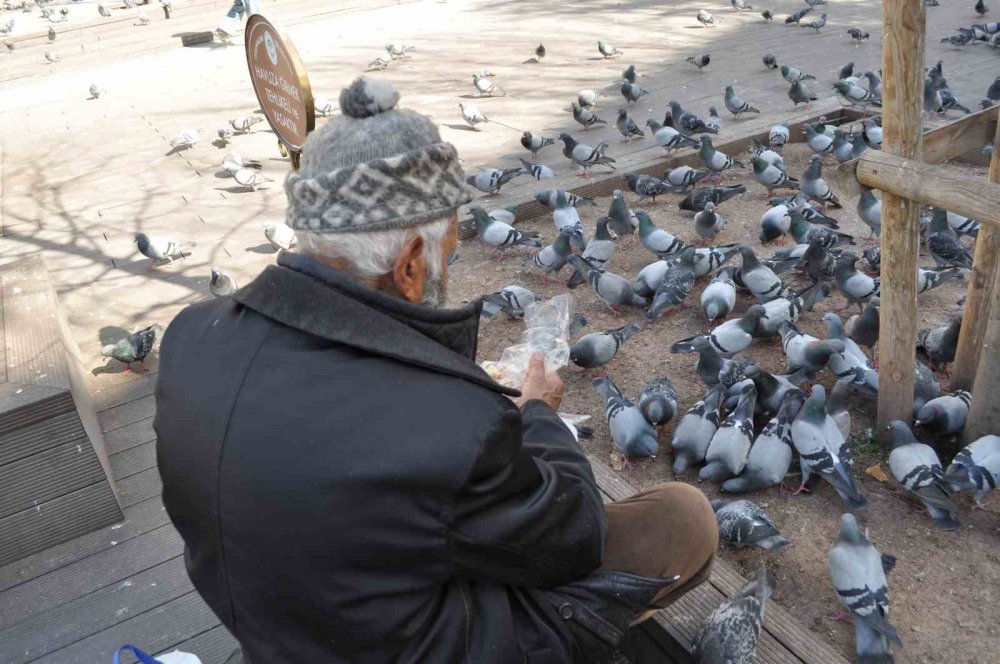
(708, 223)
(627, 127)
(940, 344)
(857, 34)
(694, 432)
(657, 240)
(714, 160)
(629, 74)
(221, 284)
(550, 198)
(771, 389)
(855, 94)
(584, 155)
(658, 401)
(615, 290)
(839, 401)
(512, 300)
(843, 148)
(778, 135)
(863, 329)
(709, 259)
(760, 279)
(585, 116)
(823, 450)
(552, 257)
(925, 386)
(805, 352)
(729, 634)
(719, 296)
(790, 308)
(598, 252)
(944, 245)
(800, 94)
(607, 50)
(770, 60)
(798, 15)
(856, 286)
(598, 348)
(736, 105)
(706, 18)
(651, 276)
(534, 143)
(858, 573)
(133, 348)
(649, 186)
(870, 210)
(537, 171)
(775, 221)
(699, 198)
(916, 466)
(852, 362)
(632, 92)
(728, 338)
(490, 180)
(669, 138)
(946, 414)
(771, 176)
(771, 453)
(685, 176)
(686, 122)
(620, 218)
(678, 280)
(700, 61)
(814, 186)
(160, 248)
(976, 468)
(714, 121)
(630, 432)
(743, 523)
(499, 235)
(727, 452)
(710, 364)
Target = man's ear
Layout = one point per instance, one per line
(410, 270)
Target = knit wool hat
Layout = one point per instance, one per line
(374, 168)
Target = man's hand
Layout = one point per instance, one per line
(539, 386)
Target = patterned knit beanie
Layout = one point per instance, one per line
(374, 168)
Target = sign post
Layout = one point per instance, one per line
(281, 85)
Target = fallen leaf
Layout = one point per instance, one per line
(876, 472)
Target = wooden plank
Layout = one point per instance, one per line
(85, 576)
(89, 614)
(139, 487)
(902, 103)
(135, 387)
(966, 134)
(160, 629)
(984, 412)
(127, 413)
(40, 436)
(140, 518)
(212, 647)
(980, 294)
(135, 460)
(41, 477)
(129, 436)
(934, 185)
(58, 520)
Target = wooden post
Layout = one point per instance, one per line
(903, 28)
(985, 270)
(984, 413)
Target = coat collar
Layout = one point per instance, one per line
(309, 296)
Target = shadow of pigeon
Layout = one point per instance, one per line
(265, 248)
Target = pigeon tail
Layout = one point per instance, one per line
(943, 519)
(746, 484)
(772, 543)
(714, 471)
(847, 487)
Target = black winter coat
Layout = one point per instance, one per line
(351, 487)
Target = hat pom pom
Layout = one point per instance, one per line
(366, 97)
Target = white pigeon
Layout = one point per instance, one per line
(234, 162)
(160, 248)
(221, 284)
(246, 177)
(225, 133)
(95, 90)
(143, 17)
(187, 138)
(472, 115)
(243, 123)
(381, 61)
(280, 235)
(51, 56)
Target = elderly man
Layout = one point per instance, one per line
(351, 486)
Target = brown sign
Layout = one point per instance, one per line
(280, 81)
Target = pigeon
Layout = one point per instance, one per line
(186, 139)
(768, 17)
(856, 286)
(793, 75)
(699, 61)
(711, 367)
(669, 138)
(550, 198)
(537, 171)
(685, 122)
(280, 235)
(244, 123)
(778, 135)
(630, 432)
(534, 143)
(142, 16)
(95, 91)
(728, 338)
(51, 56)
(818, 142)
(771, 453)
(946, 414)
(870, 210)
(843, 148)
(772, 177)
(817, 262)
(699, 198)
(976, 468)
(133, 348)
(858, 35)
(805, 353)
(607, 50)
(512, 300)
(323, 107)
(743, 523)
(614, 289)
(629, 74)
(632, 92)
(727, 452)
(397, 51)
(585, 116)
(551, 258)
(685, 176)
(800, 94)
(658, 401)
(816, 24)
(823, 450)
(246, 177)
(598, 348)
(52, 34)
(225, 133)
(719, 296)
(584, 155)
(657, 240)
(486, 86)
(706, 18)
(473, 116)
(855, 94)
(798, 15)
(678, 280)
(707, 223)
(695, 431)
(714, 160)
(221, 284)
(981, 7)
(736, 105)
(916, 466)
(931, 278)
(775, 221)
(540, 52)
(598, 251)
(863, 328)
(620, 218)
(648, 186)
(159, 248)
(714, 122)
(925, 386)
(760, 279)
(962, 225)
(709, 259)
(839, 400)
(587, 98)
(627, 127)
(490, 180)
(740, 5)
(858, 573)
(943, 243)
(851, 363)
(102, 10)
(729, 634)
(498, 234)
(233, 162)
(940, 344)
(814, 186)
(790, 307)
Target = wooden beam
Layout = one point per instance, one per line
(970, 132)
(904, 25)
(933, 185)
(984, 413)
(985, 269)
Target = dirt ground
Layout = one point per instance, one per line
(945, 589)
